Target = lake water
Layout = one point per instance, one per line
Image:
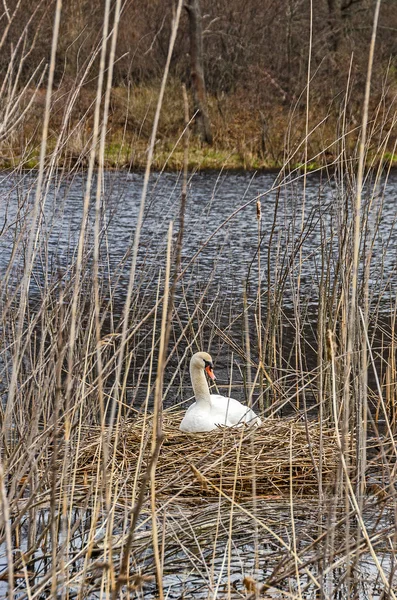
(219, 253)
(220, 262)
(200, 563)
(301, 237)
(221, 225)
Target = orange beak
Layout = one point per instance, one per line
(210, 372)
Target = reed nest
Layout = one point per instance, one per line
(271, 460)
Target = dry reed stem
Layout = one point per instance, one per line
(34, 231)
(131, 282)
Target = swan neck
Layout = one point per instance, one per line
(200, 386)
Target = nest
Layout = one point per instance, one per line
(271, 460)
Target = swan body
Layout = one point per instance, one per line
(211, 410)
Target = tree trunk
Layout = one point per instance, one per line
(197, 70)
(335, 23)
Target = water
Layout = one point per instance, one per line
(200, 560)
(220, 246)
(229, 257)
(221, 235)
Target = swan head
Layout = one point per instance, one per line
(202, 360)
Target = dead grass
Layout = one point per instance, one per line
(247, 133)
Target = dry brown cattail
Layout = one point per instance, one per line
(249, 584)
(331, 345)
(379, 491)
(258, 210)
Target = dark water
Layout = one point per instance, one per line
(199, 563)
(301, 233)
(221, 234)
(213, 198)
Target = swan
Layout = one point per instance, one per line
(211, 410)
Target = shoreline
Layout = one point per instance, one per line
(248, 136)
(193, 167)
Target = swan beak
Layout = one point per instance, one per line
(210, 372)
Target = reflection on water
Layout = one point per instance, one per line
(221, 235)
(201, 560)
(229, 256)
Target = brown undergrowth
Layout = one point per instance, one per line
(247, 133)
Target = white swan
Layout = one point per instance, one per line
(211, 410)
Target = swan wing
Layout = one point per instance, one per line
(231, 412)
